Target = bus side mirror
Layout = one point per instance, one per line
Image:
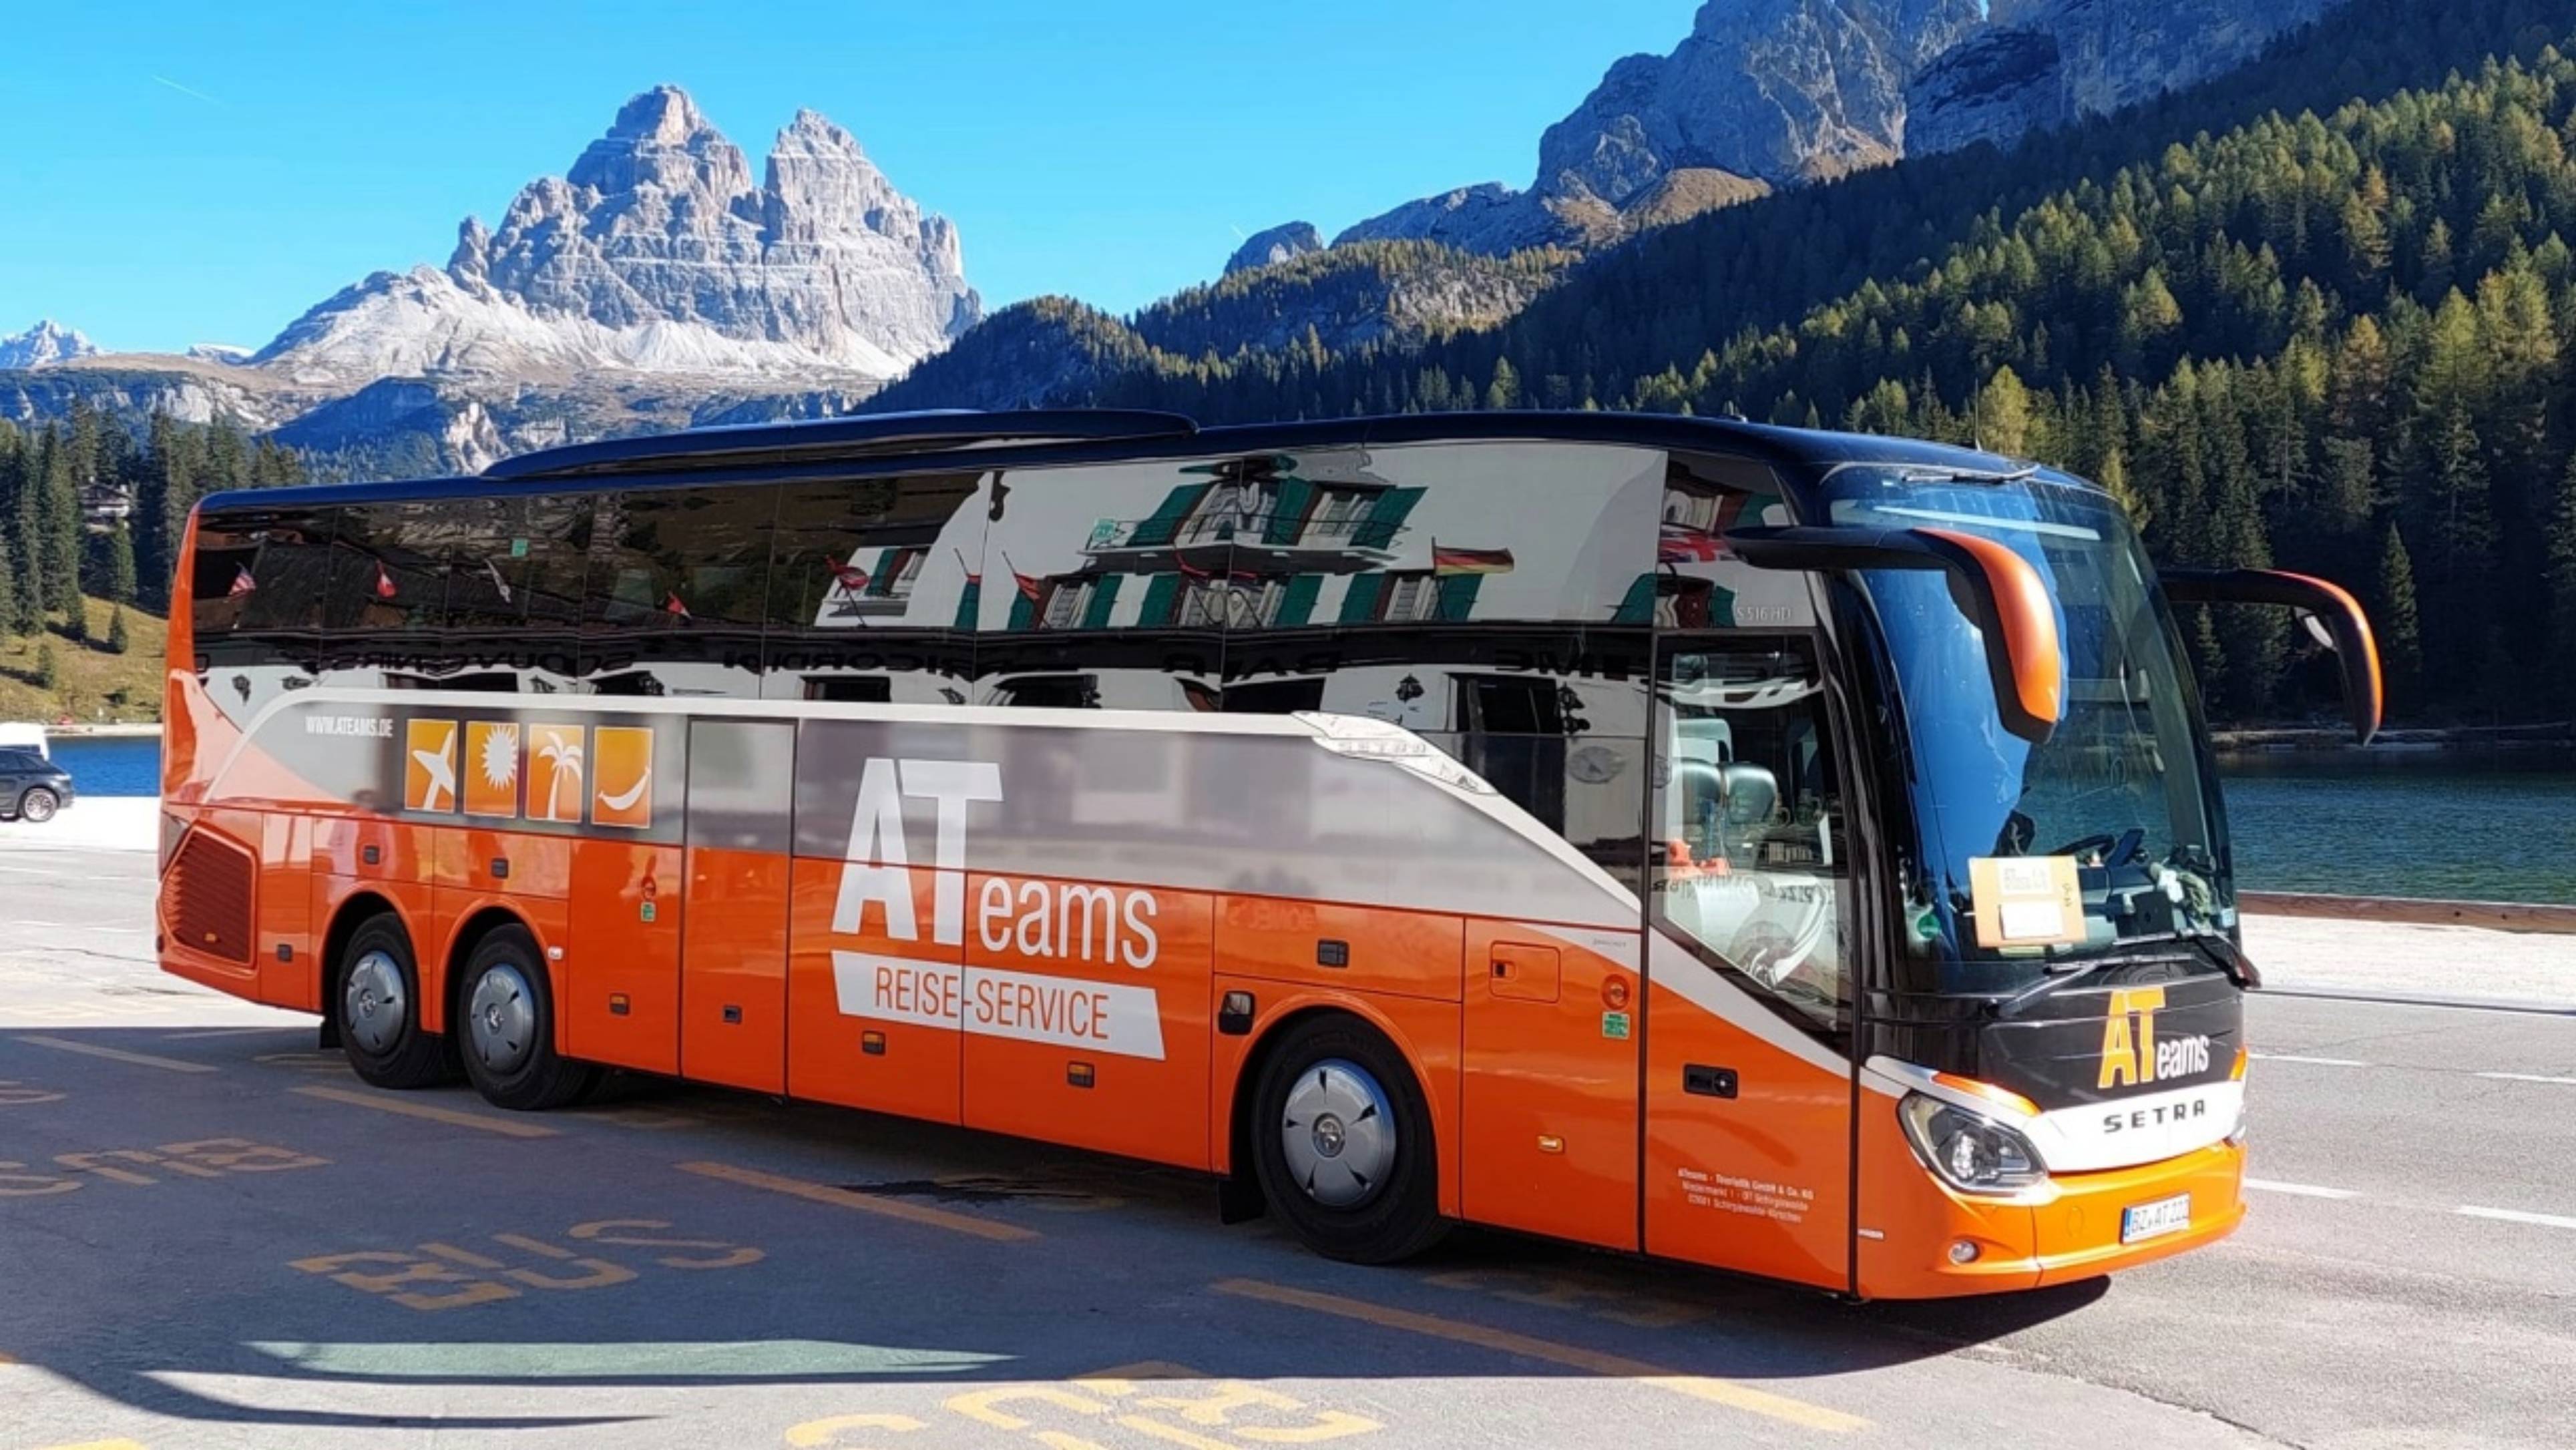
(1995, 587)
(2328, 610)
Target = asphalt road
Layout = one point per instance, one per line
(211, 1234)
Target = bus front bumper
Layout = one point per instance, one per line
(1938, 1243)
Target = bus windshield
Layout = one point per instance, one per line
(2122, 787)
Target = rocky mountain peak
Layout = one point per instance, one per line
(46, 342)
(656, 249)
(1761, 93)
(1274, 245)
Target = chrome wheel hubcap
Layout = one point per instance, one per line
(501, 1020)
(1338, 1132)
(372, 1006)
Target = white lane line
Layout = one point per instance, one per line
(2515, 1215)
(2527, 1077)
(2303, 1190)
(2310, 1061)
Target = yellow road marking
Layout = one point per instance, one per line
(1591, 1361)
(115, 1054)
(507, 1127)
(982, 1228)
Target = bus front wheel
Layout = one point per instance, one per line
(1341, 1141)
(507, 1028)
(378, 1000)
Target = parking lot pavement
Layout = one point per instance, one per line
(212, 1234)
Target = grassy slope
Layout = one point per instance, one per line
(89, 674)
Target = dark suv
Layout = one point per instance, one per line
(32, 788)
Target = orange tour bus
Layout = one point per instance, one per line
(1791, 852)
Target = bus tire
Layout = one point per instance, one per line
(1341, 1142)
(506, 1027)
(375, 995)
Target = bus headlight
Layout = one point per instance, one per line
(1969, 1150)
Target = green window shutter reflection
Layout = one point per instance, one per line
(1386, 516)
(1297, 602)
(1288, 515)
(1165, 524)
(1162, 596)
(1458, 595)
(881, 578)
(1104, 594)
(1359, 604)
(1638, 606)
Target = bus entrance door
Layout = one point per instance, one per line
(1550, 1111)
(733, 961)
(1748, 1078)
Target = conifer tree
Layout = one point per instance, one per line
(58, 523)
(2559, 580)
(2003, 414)
(2400, 641)
(12, 619)
(116, 575)
(116, 640)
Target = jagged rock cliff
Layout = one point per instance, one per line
(2050, 63)
(1761, 93)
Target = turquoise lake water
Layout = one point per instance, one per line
(2487, 827)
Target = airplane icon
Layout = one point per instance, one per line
(429, 781)
(442, 777)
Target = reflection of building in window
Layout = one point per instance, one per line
(1411, 597)
(1065, 602)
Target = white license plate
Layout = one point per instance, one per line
(2151, 1220)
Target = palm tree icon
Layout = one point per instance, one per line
(562, 751)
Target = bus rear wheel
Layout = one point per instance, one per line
(507, 1028)
(1341, 1142)
(377, 996)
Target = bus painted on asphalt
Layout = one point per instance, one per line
(1790, 852)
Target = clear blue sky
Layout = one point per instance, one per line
(196, 172)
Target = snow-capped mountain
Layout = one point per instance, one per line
(46, 342)
(656, 252)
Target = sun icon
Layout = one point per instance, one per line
(501, 757)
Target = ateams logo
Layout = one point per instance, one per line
(2130, 1052)
(1062, 921)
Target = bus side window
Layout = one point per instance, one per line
(873, 589)
(678, 587)
(1749, 854)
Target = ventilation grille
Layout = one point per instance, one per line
(206, 898)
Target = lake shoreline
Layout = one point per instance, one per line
(2335, 740)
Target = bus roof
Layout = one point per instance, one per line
(891, 442)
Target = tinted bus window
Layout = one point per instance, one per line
(681, 558)
(873, 589)
(678, 586)
(263, 571)
(488, 559)
(389, 569)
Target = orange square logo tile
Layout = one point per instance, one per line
(429, 765)
(621, 776)
(491, 768)
(557, 771)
